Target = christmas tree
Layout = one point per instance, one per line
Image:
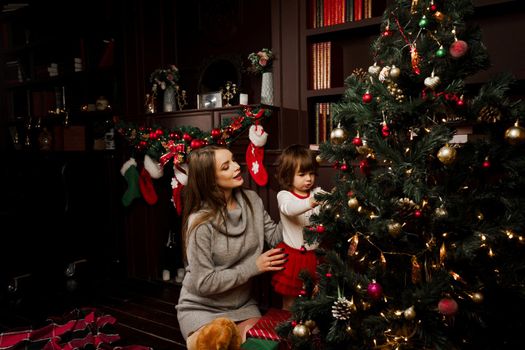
(422, 236)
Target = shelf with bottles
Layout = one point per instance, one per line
(63, 131)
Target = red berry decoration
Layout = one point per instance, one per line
(374, 290)
(328, 275)
(448, 307)
(433, 7)
(294, 323)
(152, 135)
(320, 229)
(357, 141)
(302, 293)
(344, 167)
(417, 213)
(367, 97)
(458, 48)
(486, 163)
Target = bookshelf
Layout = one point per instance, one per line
(337, 44)
(56, 68)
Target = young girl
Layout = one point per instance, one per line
(296, 172)
(224, 230)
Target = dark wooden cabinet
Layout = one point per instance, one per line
(57, 209)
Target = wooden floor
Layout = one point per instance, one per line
(145, 310)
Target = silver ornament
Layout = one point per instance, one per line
(432, 82)
(301, 331)
(374, 70)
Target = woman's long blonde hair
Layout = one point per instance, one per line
(202, 192)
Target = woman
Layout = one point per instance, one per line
(224, 231)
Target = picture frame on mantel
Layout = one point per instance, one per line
(209, 100)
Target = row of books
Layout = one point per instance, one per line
(326, 68)
(323, 121)
(325, 13)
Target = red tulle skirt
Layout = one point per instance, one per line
(287, 281)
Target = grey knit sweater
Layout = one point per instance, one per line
(221, 265)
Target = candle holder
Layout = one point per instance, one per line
(229, 92)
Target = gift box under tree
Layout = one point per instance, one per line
(263, 333)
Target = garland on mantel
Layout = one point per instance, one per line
(165, 145)
(160, 146)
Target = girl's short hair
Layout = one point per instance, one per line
(293, 158)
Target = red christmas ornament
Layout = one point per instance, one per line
(344, 167)
(458, 48)
(335, 165)
(153, 135)
(328, 275)
(357, 141)
(302, 293)
(294, 323)
(215, 133)
(448, 307)
(486, 163)
(417, 213)
(367, 97)
(374, 290)
(460, 102)
(433, 7)
(196, 143)
(350, 193)
(385, 130)
(320, 229)
(159, 132)
(187, 137)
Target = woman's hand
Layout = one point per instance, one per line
(271, 260)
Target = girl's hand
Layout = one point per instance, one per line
(313, 202)
(271, 260)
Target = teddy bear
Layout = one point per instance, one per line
(220, 334)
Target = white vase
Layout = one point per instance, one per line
(267, 88)
(169, 100)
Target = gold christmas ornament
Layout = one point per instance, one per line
(338, 135)
(310, 324)
(301, 331)
(395, 72)
(353, 203)
(410, 313)
(364, 149)
(318, 159)
(515, 135)
(394, 228)
(447, 155)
